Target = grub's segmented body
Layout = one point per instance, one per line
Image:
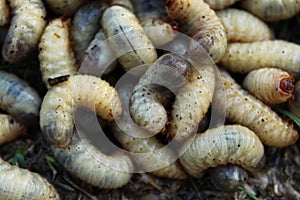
(152, 15)
(271, 85)
(124, 3)
(233, 144)
(127, 38)
(86, 162)
(244, 109)
(21, 184)
(25, 30)
(148, 153)
(4, 13)
(56, 56)
(10, 128)
(147, 101)
(18, 98)
(85, 25)
(64, 7)
(201, 23)
(220, 4)
(98, 57)
(56, 114)
(245, 57)
(294, 103)
(191, 103)
(242, 26)
(272, 10)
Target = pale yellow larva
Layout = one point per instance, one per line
(245, 57)
(201, 23)
(56, 114)
(25, 30)
(21, 184)
(148, 153)
(233, 144)
(19, 99)
(270, 85)
(10, 128)
(147, 101)
(220, 4)
(272, 10)
(64, 7)
(239, 31)
(294, 103)
(191, 103)
(244, 109)
(127, 37)
(4, 13)
(87, 163)
(56, 56)
(85, 25)
(152, 15)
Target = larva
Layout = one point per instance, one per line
(272, 10)
(152, 15)
(201, 23)
(245, 57)
(124, 3)
(244, 109)
(270, 85)
(127, 38)
(21, 184)
(228, 177)
(64, 7)
(56, 114)
(10, 128)
(239, 31)
(56, 56)
(233, 144)
(220, 4)
(148, 153)
(98, 57)
(146, 103)
(18, 98)
(191, 103)
(87, 163)
(25, 30)
(85, 25)
(294, 103)
(4, 13)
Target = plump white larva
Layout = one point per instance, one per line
(201, 23)
(191, 103)
(56, 56)
(245, 57)
(220, 4)
(21, 184)
(270, 85)
(92, 93)
(64, 7)
(4, 13)
(147, 153)
(98, 56)
(152, 15)
(233, 144)
(125, 3)
(272, 10)
(10, 128)
(294, 103)
(85, 25)
(242, 26)
(18, 98)
(25, 30)
(87, 163)
(150, 94)
(244, 109)
(127, 38)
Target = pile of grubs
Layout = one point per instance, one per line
(62, 63)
